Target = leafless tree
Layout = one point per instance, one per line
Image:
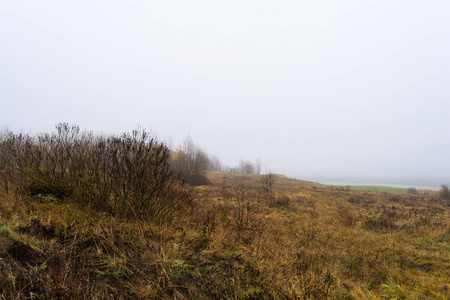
(190, 162)
(266, 186)
(246, 167)
(258, 166)
(215, 164)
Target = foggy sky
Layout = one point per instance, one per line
(318, 90)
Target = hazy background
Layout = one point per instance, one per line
(348, 91)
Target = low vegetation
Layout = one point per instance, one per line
(238, 237)
(372, 188)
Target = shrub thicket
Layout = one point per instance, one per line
(127, 175)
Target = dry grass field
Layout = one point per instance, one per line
(234, 240)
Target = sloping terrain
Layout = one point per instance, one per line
(254, 179)
(234, 241)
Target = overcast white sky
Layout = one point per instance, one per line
(320, 90)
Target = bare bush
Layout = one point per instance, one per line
(241, 215)
(444, 193)
(127, 175)
(348, 217)
(412, 191)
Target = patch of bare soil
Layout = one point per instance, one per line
(39, 230)
(24, 254)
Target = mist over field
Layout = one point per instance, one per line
(346, 91)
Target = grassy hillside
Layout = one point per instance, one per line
(372, 188)
(305, 243)
(280, 180)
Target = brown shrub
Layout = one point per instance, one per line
(129, 175)
(348, 217)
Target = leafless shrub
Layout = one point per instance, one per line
(348, 217)
(4, 162)
(241, 215)
(127, 175)
(444, 193)
(412, 191)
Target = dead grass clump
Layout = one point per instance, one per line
(281, 201)
(386, 220)
(362, 199)
(208, 217)
(365, 265)
(348, 216)
(315, 279)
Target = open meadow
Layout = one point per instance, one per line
(240, 237)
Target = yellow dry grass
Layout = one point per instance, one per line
(309, 243)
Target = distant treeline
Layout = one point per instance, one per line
(191, 161)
